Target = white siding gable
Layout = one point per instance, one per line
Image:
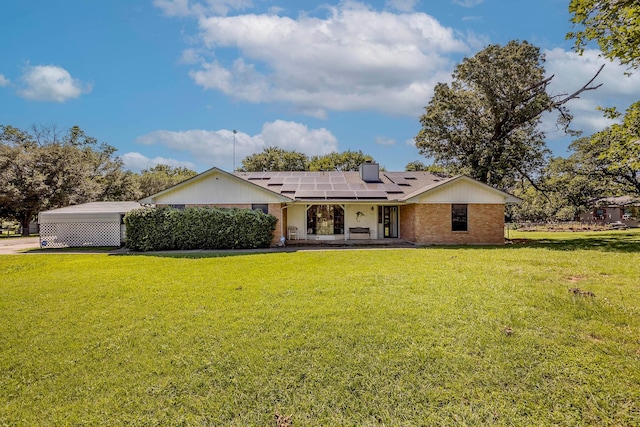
(461, 191)
(216, 188)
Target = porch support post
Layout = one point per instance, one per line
(346, 229)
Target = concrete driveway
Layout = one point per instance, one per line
(16, 245)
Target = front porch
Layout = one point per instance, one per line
(340, 222)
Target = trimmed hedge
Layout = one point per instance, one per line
(159, 229)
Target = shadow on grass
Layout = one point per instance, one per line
(628, 243)
(196, 254)
(78, 250)
(217, 253)
(622, 243)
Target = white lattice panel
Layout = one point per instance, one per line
(79, 234)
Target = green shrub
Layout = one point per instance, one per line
(158, 229)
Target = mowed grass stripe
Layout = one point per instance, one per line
(434, 336)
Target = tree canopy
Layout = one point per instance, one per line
(418, 166)
(345, 161)
(613, 24)
(160, 177)
(273, 159)
(44, 170)
(566, 192)
(613, 155)
(485, 123)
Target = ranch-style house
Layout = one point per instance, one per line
(419, 207)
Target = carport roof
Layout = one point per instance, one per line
(95, 207)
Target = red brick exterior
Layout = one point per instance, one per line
(431, 224)
(275, 209)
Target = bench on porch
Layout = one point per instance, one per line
(359, 230)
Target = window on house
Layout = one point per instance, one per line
(325, 220)
(181, 207)
(458, 217)
(260, 207)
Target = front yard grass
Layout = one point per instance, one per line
(541, 332)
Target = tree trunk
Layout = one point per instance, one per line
(25, 221)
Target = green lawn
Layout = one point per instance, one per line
(433, 336)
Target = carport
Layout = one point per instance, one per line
(90, 224)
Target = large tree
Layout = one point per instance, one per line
(566, 193)
(613, 155)
(613, 24)
(160, 177)
(273, 159)
(44, 169)
(345, 161)
(486, 122)
(418, 166)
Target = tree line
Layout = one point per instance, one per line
(278, 159)
(46, 168)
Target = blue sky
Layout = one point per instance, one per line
(167, 81)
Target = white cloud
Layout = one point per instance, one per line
(174, 7)
(191, 56)
(216, 148)
(51, 83)
(355, 58)
(137, 162)
(381, 140)
(296, 136)
(467, 3)
(187, 7)
(572, 71)
(402, 5)
(4, 81)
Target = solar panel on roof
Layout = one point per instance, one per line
(310, 194)
(369, 194)
(341, 194)
(391, 188)
(357, 187)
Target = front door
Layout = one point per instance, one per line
(390, 221)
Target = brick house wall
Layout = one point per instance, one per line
(275, 209)
(431, 224)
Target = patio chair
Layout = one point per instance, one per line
(292, 232)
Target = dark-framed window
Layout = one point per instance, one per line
(325, 220)
(180, 207)
(459, 218)
(260, 207)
